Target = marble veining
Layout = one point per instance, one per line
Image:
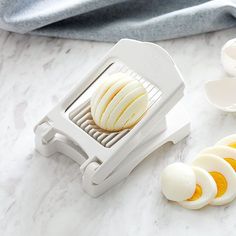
(43, 196)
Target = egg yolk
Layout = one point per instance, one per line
(197, 194)
(221, 183)
(231, 161)
(232, 145)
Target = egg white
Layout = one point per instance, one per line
(101, 90)
(213, 163)
(178, 182)
(226, 141)
(221, 151)
(118, 103)
(209, 190)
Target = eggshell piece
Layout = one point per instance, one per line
(228, 57)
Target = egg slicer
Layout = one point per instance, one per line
(105, 158)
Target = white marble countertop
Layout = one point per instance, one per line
(43, 196)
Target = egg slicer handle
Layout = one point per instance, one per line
(48, 142)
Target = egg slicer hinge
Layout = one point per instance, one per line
(105, 158)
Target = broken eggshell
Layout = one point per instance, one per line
(228, 57)
(221, 94)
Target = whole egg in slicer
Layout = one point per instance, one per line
(119, 102)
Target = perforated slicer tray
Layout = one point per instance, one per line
(105, 158)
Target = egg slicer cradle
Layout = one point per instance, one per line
(105, 158)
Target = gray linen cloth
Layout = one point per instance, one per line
(111, 20)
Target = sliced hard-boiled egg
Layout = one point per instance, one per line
(222, 173)
(228, 141)
(178, 182)
(205, 190)
(118, 103)
(225, 152)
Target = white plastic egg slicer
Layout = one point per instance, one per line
(105, 158)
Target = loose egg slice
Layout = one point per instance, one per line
(119, 103)
(229, 141)
(205, 190)
(178, 182)
(222, 173)
(225, 152)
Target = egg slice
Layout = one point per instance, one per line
(118, 103)
(205, 190)
(225, 152)
(178, 182)
(222, 173)
(229, 141)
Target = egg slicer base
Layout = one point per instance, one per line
(105, 158)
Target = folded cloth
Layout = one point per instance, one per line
(111, 20)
